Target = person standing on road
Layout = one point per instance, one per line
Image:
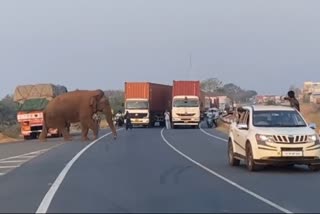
(167, 119)
(293, 100)
(128, 121)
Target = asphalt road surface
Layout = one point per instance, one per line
(148, 170)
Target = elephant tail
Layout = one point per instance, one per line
(44, 131)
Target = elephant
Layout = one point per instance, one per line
(77, 106)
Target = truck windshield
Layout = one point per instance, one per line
(185, 103)
(137, 105)
(277, 119)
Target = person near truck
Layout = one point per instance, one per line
(167, 119)
(294, 103)
(128, 120)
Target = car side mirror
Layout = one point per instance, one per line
(242, 126)
(313, 125)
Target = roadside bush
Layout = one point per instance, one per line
(12, 131)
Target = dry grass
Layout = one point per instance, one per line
(223, 127)
(311, 112)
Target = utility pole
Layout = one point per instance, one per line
(190, 66)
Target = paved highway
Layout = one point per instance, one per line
(149, 170)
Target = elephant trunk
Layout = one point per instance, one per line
(108, 114)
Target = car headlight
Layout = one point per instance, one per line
(263, 139)
(313, 139)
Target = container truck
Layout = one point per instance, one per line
(31, 100)
(146, 102)
(187, 103)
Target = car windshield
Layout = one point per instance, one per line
(137, 105)
(185, 103)
(278, 119)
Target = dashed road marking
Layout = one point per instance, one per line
(5, 166)
(9, 167)
(12, 161)
(255, 195)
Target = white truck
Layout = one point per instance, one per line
(187, 103)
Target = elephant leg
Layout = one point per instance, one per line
(94, 126)
(43, 135)
(84, 131)
(66, 135)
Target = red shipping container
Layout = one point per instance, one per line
(158, 95)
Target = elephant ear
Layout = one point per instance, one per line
(95, 98)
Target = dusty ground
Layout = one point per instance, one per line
(311, 112)
(6, 139)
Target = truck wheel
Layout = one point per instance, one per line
(232, 161)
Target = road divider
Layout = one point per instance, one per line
(255, 195)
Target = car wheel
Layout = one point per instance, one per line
(251, 166)
(232, 161)
(314, 168)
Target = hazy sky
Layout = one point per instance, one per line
(261, 45)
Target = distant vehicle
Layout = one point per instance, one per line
(32, 100)
(146, 102)
(272, 135)
(187, 103)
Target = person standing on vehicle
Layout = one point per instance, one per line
(167, 119)
(293, 100)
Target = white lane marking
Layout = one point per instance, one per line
(46, 201)
(2, 173)
(272, 204)
(12, 161)
(25, 157)
(33, 154)
(211, 135)
(9, 167)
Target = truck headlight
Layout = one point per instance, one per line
(313, 139)
(263, 139)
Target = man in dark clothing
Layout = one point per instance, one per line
(293, 100)
(128, 121)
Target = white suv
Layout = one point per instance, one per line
(270, 135)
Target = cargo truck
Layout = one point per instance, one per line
(31, 101)
(146, 102)
(188, 103)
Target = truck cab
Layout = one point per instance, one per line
(138, 110)
(185, 111)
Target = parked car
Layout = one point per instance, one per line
(272, 135)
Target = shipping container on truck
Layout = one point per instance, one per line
(188, 103)
(146, 102)
(31, 100)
